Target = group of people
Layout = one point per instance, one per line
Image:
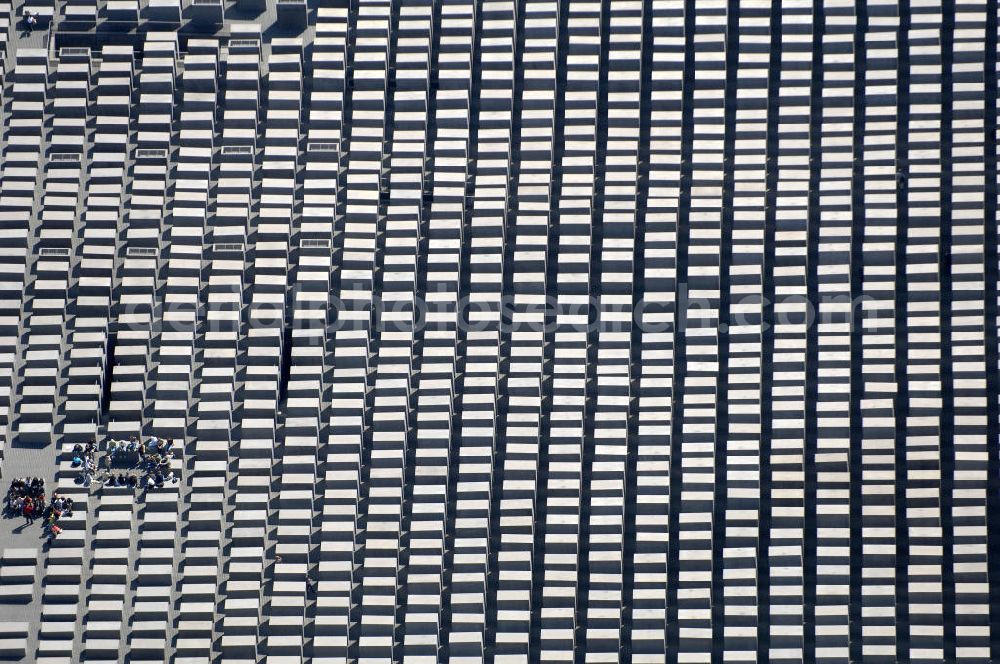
(151, 458)
(26, 497)
(84, 458)
(57, 509)
(152, 451)
(131, 480)
(139, 463)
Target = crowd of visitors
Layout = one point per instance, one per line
(130, 464)
(84, 458)
(141, 464)
(26, 497)
(127, 463)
